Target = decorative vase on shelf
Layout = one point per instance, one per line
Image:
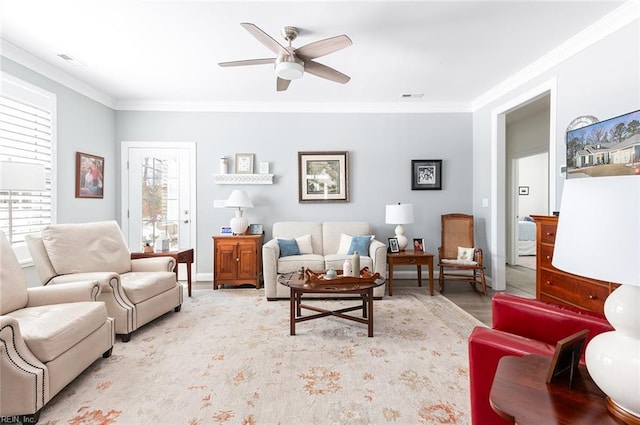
(355, 264)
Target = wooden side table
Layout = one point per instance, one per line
(410, 258)
(237, 260)
(184, 256)
(520, 395)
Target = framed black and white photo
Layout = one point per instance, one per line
(323, 176)
(393, 245)
(426, 174)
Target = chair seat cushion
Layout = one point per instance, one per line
(51, 330)
(141, 286)
(458, 262)
(294, 263)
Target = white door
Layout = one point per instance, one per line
(158, 202)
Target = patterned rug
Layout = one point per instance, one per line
(228, 358)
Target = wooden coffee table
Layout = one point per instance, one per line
(300, 285)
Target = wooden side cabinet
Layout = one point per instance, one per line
(557, 286)
(237, 260)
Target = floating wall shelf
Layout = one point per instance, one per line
(243, 178)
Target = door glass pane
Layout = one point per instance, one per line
(160, 207)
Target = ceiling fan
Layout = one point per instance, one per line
(290, 64)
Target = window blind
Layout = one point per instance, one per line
(26, 136)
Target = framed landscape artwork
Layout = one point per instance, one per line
(89, 176)
(426, 174)
(606, 148)
(323, 176)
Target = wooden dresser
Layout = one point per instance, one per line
(556, 286)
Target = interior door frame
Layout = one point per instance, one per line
(498, 159)
(124, 179)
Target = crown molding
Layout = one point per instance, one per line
(297, 107)
(609, 24)
(20, 56)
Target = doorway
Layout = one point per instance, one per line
(158, 195)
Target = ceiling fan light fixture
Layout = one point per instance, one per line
(289, 70)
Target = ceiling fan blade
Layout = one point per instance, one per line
(249, 62)
(282, 84)
(265, 39)
(323, 71)
(323, 47)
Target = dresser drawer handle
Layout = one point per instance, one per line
(411, 260)
(549, 234)
(549, 282)
(593, 297)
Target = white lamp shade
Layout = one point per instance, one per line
(238, 199)
(598, 236)
(598, 233)
(17, 176)
(399, 214)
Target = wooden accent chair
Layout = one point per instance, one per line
(456, 263)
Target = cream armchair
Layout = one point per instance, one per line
(48, 336)
(134, 291)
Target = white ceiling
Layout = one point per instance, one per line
(165, 52)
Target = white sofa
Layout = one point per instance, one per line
(325, 241)
(134, 291)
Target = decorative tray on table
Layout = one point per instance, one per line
(320, 278)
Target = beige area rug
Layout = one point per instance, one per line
(228, 358)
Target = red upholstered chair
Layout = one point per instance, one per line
(520, 326)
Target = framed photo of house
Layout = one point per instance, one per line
(323, 176)
(244, 163)
(426, 174)
(393, 245)
(89, 176)
(566, 356)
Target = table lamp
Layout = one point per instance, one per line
(239, 199)
(400, 214)
(20, 177)
(598, 236)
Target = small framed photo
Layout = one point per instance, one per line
(323, 176)
(426, 174)
(244, 163)
(393, 245)
(225, 230)
(89, 176)
(264, 167)
(255, 229)
(523, 190)
(418, 245)
(567, 355)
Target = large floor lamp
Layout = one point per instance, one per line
(598, 236)
(20, 177)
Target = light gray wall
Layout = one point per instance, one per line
(602, 80)
(84, 125)
(381, 147)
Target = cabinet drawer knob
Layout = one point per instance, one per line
(549, 282)
(411, 260)
(549, 234)
(593, 297)
(548, 257)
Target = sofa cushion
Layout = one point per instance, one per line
(332, 233)
(141, 286)
(87, 247)
(288, 247)
(304, 244)
(50, 330)
(359, 244)
(314, 262)
(346, 244)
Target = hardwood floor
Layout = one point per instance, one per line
(520, 281)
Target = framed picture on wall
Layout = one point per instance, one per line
(323, 176)
(426, 174)
(89, 176)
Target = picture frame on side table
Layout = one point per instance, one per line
(255, 229)
(323, 176)
(567, 356)
(426, 174)
(393, 245)
(244, 163)
(418, 244)
(89, 176)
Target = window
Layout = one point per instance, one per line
(27, 135)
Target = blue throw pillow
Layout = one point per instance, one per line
(288, 247)
(360, 244)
